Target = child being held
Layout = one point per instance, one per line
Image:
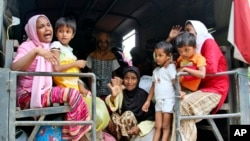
(189, 61)
(65, 29)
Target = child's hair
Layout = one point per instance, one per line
(66, 21)
(185, 39)
(167, 47)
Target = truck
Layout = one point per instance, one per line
(134, 25)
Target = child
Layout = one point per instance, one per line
(189, 61)
(65, 29)
(163, 90)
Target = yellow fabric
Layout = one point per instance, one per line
(117, 102)
(145, 127)
(69, 82)
(102, 114)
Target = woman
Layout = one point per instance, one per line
(128, 119)
(212, 90)
(102, 63)
(34, 55)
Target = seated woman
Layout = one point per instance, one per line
(128, 121)
(34, 55)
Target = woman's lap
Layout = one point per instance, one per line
(79, 110)
(197, 103)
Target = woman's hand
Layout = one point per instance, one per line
(48, 55)
(115, 86)
(134, 131)
(174, 32)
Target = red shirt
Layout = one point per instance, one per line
(216, 62)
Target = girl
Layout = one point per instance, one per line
(163, 90)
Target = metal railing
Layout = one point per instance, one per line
(239, 99)
(13, 114)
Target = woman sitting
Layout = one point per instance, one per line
(128, 121)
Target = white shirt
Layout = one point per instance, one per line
(162, 77)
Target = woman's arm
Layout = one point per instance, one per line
(24, 62)
(173, 33)
(115, 99)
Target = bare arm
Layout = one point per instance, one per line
(173, 33)
(200, 73)
(77, 63)
(60, 68)
(150, 96)
(151, 92)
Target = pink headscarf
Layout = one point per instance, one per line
(41, 84)
(202, 33)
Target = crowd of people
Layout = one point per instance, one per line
(135, 114)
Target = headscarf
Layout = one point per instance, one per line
(202, 33)
(97, 53)
(134, 100)
(40, 84)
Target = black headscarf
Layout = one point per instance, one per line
(134, 100)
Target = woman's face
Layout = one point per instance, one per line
(130, 81)
(103, 42)
(44, 30)
(189, 28)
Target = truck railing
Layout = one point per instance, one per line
(238, 99)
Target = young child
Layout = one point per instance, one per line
(163, 90)
(65, 29)
(189, 61)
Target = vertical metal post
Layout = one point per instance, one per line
(12, 105)
(244, 96)
(93, 89)
(2, 32)
(1, 17)
(4, 102)
(177, 108)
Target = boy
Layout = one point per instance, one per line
(65, 29)
(189, 61)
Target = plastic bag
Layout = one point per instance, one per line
(102, 114)
(21, 135)
(47, 133)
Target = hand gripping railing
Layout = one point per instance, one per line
(241, 101)
(13, 114)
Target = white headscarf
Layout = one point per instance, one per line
(202, 33)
